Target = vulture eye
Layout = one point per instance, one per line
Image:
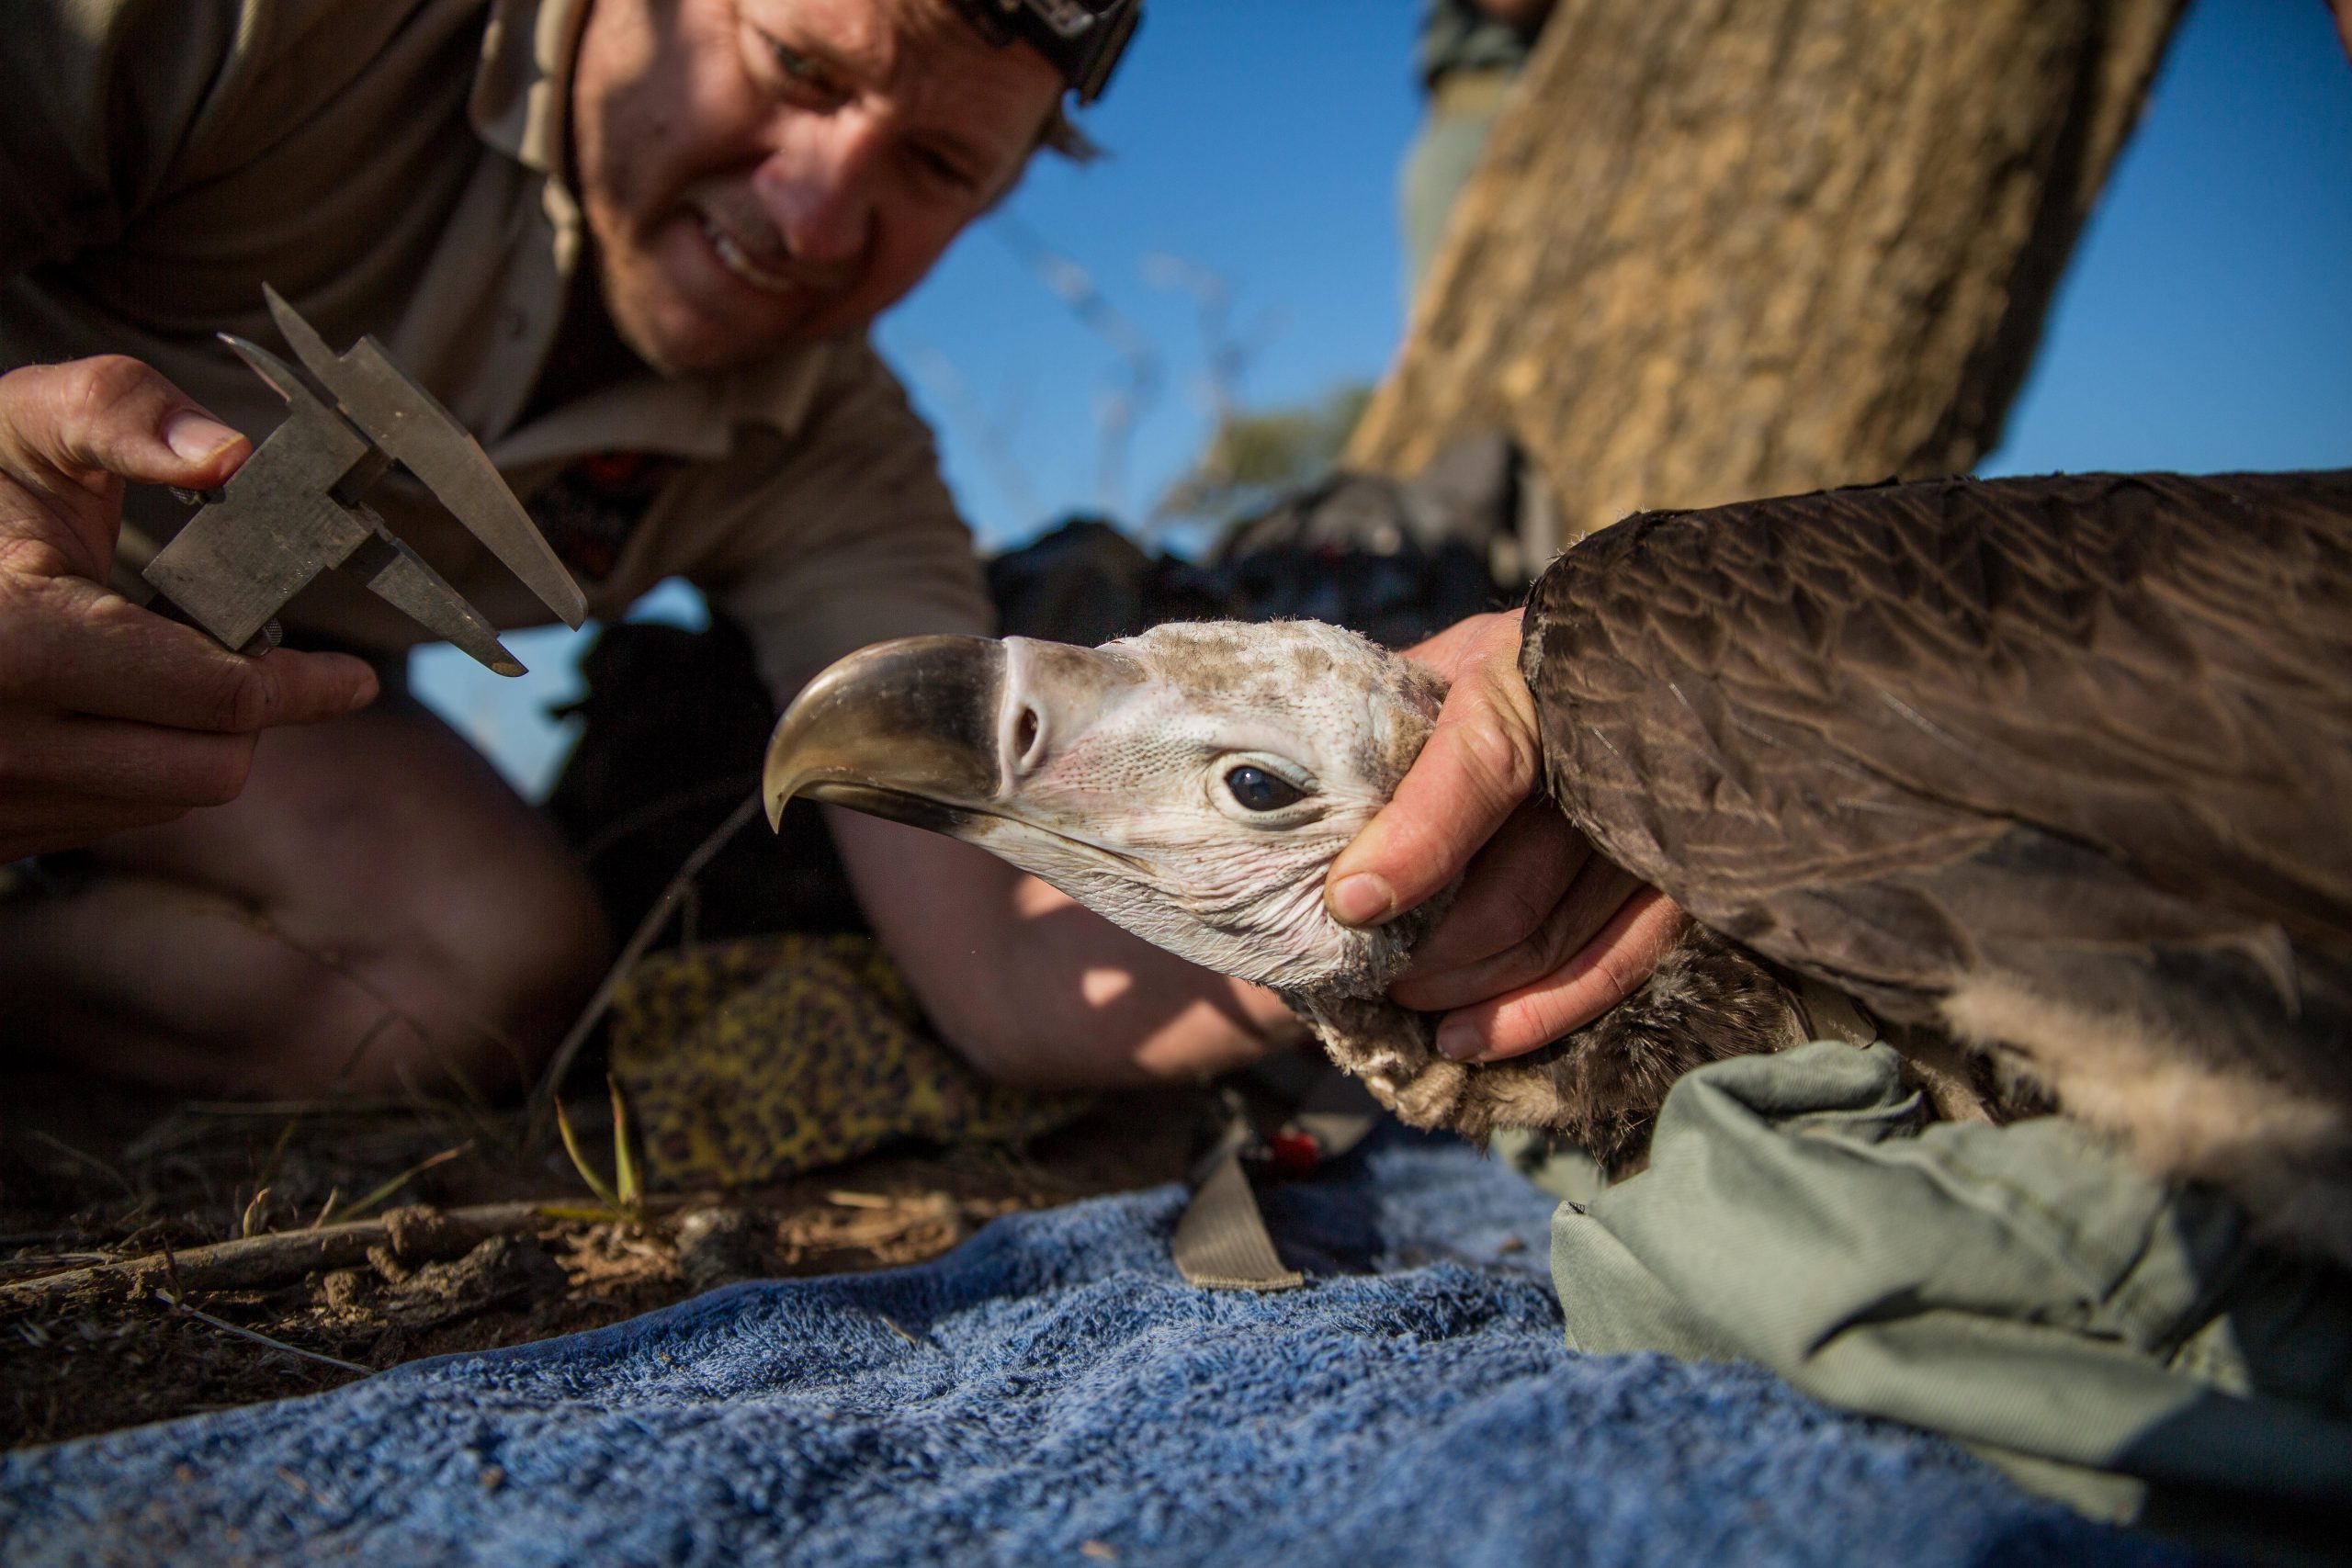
(1257, 790)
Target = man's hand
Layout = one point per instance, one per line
(112, 718)
(1544, 935)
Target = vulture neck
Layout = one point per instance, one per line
(1599, 1087)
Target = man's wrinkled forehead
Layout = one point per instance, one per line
(884, 38)
(933, 63)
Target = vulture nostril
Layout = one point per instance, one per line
(1025, 735)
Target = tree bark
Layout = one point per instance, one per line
(1725, 249)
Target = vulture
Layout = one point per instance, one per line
(2052, 778)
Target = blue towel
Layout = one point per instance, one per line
(1052, 1392)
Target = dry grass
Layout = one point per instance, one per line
(158, 1259)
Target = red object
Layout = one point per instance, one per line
(1293, 1153)
(610, 468)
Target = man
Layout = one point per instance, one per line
(632, 245)
(1468, 54)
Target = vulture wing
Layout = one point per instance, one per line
(2063, 765)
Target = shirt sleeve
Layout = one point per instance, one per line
(843, 534)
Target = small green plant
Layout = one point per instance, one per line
(624, 1196)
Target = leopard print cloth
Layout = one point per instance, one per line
(752, 1060)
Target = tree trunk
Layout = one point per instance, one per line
(1724, 249)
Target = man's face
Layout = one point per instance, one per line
(757, 172)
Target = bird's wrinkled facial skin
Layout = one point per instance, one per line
(1192, 784)
(1200, 802)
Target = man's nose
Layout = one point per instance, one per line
(819, 187)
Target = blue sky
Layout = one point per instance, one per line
(2206, 321)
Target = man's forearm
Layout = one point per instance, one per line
(1034, 989)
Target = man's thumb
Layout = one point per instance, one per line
(80, 423)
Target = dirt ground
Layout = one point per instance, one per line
(138, 1235)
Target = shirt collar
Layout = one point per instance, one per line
(523, 89)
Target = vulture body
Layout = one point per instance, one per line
(2051, 775)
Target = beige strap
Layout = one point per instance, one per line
(1222, 1243)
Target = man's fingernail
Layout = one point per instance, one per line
(1458, 1040)
(1362, 899)
(194, 436)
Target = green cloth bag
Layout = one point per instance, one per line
(2116, 1342)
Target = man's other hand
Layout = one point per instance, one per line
(1544, 935)
(110, 717)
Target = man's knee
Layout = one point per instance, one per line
(547, 955)
(432, 929)
(502, 968)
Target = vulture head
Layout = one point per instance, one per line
(1194, 784)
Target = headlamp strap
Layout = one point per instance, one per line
(1082, 37)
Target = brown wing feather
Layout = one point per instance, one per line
(2086, 738)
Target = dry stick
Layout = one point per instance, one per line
(642, 938)
(176, 1299)
(15, 1268)
(260, 1338)
(265, 1261)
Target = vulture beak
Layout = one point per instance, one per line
(904, 730)
(948, 733)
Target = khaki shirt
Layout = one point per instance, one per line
(391, 168)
